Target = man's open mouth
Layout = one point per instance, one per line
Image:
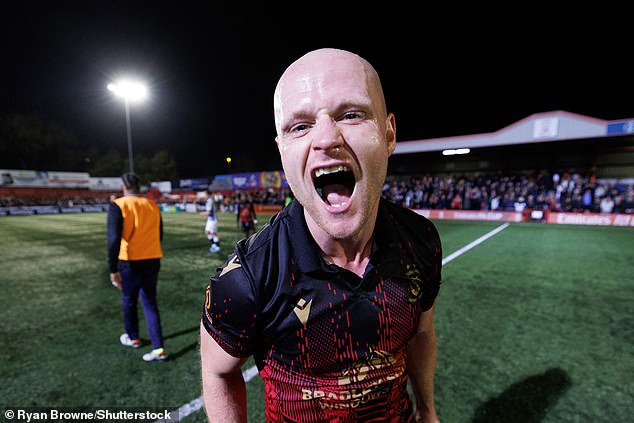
(334, 184)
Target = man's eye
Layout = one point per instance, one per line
(300, 127)
(352, 116)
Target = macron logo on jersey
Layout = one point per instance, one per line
(302, 310)
(232, 265)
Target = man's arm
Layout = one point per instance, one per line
(114, 226)
(161, 227)
(421, 365)
(224, 389)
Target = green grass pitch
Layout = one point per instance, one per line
(534, 325)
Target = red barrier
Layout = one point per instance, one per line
(496, 216)
(601, 219)
(52, 192)
(266, 208)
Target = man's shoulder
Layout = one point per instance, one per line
(407, 216)
(262, 251)
(134, 199)
(410, 227)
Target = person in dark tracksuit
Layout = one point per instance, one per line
(135, 231)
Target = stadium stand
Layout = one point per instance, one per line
(555, 192)
(553, 162)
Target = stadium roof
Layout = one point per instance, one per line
(540, 127)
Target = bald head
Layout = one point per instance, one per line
(330, 118)
(315, 69)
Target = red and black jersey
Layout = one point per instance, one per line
(329, 345)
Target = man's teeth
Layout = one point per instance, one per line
(329, 170)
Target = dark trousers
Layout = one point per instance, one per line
(141, 277)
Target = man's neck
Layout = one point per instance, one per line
(351, 253)
(130, 192)
(351, 256)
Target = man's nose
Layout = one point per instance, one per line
(326, 134)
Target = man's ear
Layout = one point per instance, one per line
(390, 133)
(277, 142)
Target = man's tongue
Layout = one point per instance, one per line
(336, 194)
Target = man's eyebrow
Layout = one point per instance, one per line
(297, 116)
(366, 107)
(307, 114)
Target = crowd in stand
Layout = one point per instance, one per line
(62, 201)
(565, 192)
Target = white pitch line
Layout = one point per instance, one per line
(248, 374)
(474, 243)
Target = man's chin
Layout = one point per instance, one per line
(339, 226)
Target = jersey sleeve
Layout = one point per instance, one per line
(231, 311)
(114, 226)
(424, 248)
(433, 277)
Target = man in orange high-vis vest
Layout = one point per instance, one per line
(135, 231)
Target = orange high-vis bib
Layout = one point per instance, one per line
(141, 234)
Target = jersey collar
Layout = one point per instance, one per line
(306, 251)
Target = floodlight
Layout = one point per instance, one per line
(130, 91)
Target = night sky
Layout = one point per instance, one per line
(212, 72)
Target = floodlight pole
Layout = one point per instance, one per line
(129, 132)
(130, 92)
